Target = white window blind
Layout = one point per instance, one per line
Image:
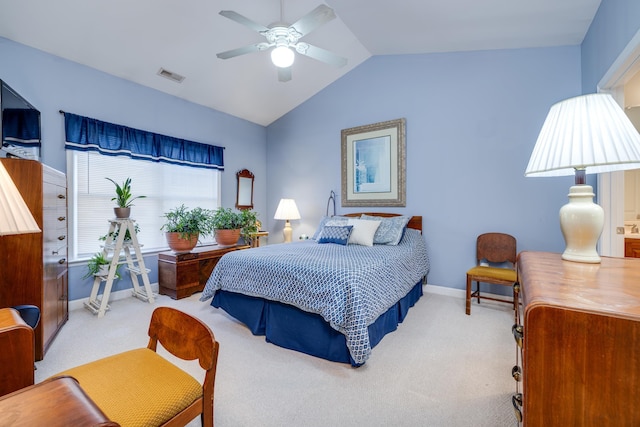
(165, 186)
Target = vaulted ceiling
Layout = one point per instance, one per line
(135, 39)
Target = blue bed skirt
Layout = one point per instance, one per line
(292, 328)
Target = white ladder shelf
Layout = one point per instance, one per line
(119, 227)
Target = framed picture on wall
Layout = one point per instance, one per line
(373, 165)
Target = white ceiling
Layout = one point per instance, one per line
(133, 39)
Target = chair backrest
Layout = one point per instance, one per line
(183, 336)
(496, 248)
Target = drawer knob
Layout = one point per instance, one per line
(62, 218)
(62, 237)
(518, 334)
(516, 401)
(61, 196)
(62, 260)
(516, 373)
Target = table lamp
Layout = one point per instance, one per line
(287, 210)
(585, 134)
(15, 216)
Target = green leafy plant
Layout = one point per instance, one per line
(124, 198)
(94, 263)
(246, 220)
(127, 235)
(188, 222)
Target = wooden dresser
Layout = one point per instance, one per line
(34, 266)
(181, 275)
(579, 329)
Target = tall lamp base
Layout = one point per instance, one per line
(581, 222)
(287, 232)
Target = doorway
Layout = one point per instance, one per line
(611, 192)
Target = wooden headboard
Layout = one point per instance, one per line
(415, 222)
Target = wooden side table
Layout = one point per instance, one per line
(256, 238)
(58, 402)
(181, 275)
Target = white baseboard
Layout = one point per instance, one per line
(452, 292)
(126, 293)
(77, 304)
(443, 290)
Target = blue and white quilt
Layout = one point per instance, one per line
(349, 286)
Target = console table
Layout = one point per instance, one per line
(578, 334)
(181, 275)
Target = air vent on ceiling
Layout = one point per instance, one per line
(170, 75)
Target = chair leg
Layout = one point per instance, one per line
(468, 309)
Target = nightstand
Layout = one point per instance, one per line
(256, 238)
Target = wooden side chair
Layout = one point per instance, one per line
(492, 249)
(141, 388)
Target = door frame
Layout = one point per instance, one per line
(611, 185)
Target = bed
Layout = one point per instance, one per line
(334, 301)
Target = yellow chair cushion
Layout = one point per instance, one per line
(505, 274)
(137, 387)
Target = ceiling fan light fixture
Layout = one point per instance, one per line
(282, 57)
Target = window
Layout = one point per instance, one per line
(165, 186)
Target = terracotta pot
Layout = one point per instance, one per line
(179, 244)
(122, 212)
(227, 237)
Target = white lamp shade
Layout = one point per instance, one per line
(15, 216)
(287, 209)
(282, 57)
(589, 131)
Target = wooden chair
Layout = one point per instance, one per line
(141, 388)
(17, 355)
(491, 249)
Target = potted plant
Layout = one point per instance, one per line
(123, 198)
(114, 235)
(98, 265)
(183, 227)
(229, 225)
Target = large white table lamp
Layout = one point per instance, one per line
(287, 210)
(15, 216)
(585, 134)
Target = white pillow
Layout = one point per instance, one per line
(363, 231)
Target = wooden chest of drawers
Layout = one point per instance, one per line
(181, 275)
(34, 266)
(580, 351)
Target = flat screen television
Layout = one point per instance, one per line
(20, 125)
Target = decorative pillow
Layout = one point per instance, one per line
(335, 234)
(391, 229)
(363, 231)
(324, 221)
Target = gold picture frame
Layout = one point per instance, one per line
(374, 164)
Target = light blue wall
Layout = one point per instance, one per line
(472, 121)
(615, 24)
(51, 84)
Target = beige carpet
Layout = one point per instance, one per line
(440, 368)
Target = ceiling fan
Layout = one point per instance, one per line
(285, 40)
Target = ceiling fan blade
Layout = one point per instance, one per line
(314, 19)
(284, 74)
(235, 16)
(321, 54)
(241, 51)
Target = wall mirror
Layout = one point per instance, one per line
(244, 197)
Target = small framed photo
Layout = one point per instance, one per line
(373, 165)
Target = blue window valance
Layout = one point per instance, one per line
(83, 133)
